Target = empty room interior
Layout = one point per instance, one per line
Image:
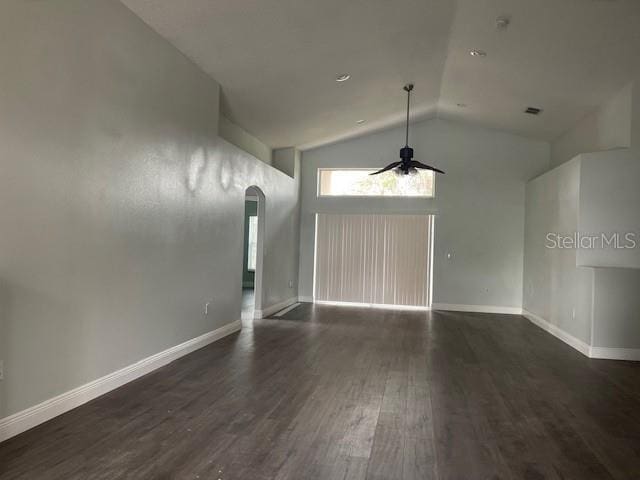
(320, 239)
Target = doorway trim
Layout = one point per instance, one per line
(254, 190)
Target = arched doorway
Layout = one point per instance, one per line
(253, 258)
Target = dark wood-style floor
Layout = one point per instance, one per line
(334, 393)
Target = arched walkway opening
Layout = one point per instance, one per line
(253, 258)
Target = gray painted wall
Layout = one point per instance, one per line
(606, 128)
(479, 204)
(591, 194)
(610, 204)
(244, 140)
(287, 160)
(616, 308)
(554, 287)
(121, 207)
(635, 112)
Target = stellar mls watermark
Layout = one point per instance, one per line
(591, 241)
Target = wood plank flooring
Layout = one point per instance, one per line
(347, 393)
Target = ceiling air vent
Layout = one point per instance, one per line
(533, 111)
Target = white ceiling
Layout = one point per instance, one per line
(276, 60)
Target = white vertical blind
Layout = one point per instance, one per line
(373, 259)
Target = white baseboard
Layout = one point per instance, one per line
(477, 308)
(286, 310)
(631, 354)
(557, 332)
(604, 353)
(265, 312)
(33, 416)
(305, 299)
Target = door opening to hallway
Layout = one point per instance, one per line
(252, 257)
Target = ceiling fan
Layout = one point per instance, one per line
(407, 166)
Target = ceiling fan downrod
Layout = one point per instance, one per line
(407, 165)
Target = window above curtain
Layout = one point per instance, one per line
(357, 182)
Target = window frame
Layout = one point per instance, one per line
(367, 169)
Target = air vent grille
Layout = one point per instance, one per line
(533, 111)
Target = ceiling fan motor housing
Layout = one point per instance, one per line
(406, 153)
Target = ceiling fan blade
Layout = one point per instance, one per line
(415, 163)
(388, 167)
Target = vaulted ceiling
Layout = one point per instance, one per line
(277, 61)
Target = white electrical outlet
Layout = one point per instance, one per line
(573, 313)
(206, 308)
(290, 283)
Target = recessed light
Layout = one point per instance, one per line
(343, 77)
(502, 22)
(360, 122)
(478, 53)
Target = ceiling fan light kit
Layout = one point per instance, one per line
(407, 166)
